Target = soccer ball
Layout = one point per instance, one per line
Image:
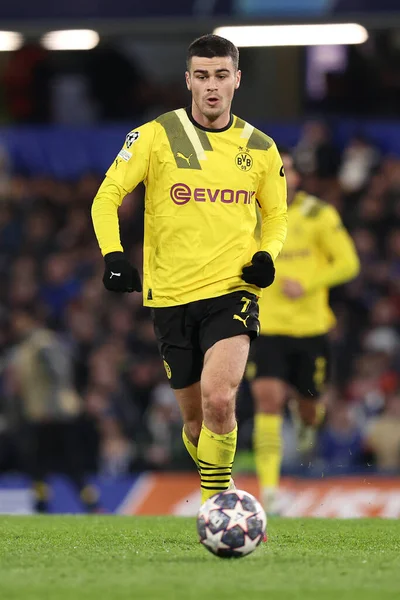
(231, 524)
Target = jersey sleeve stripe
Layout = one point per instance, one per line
(259, 141)
(239, 123)
(247, 131)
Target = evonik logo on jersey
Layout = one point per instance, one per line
(181, 194)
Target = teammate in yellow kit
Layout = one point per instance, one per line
(204, 170)
(295, 318)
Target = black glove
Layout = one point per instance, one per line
(119, 275)
(261, 272)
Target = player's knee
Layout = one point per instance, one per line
(218, 406)
(269, 395)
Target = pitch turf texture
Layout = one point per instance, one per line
(85, 558)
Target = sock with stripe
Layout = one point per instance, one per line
(215, 454)
(191, 448)
(267, 442)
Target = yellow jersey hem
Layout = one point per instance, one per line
(164, 302)
(297, 334)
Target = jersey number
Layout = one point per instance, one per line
(246, 303)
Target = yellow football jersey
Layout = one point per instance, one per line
(202, 187)
(318, 253)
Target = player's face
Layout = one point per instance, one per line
(213, 82)
(292, 176)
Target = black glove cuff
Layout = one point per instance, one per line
(113, 256)
(262, 257)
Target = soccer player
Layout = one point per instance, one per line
(295, 319)
(205, 170)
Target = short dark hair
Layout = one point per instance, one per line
(211, 45)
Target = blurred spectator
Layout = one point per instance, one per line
(60, 285)
(371, 381)
(108, 70)
(26, 81)
(77, 87)
(5, 167)
(383, 437)
(10, 230)
(37, 236)
(317, 159)
(358, 159)
(165, 427)
(368, 81)
(44, 408)
(340, 443)
(315, 153)
(117, 452)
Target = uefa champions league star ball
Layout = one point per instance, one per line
(231, 524)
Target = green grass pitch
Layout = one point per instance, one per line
(139, 558)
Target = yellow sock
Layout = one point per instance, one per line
(320, 411)
(191, 448)
(267, 442)
(215, 454)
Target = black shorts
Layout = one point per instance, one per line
(185, 333)
(304, 362)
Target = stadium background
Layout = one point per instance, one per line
(64, 115)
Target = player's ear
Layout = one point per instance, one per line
(238, 78)
(187, 79)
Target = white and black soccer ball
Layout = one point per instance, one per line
(231, 524)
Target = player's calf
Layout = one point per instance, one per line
(223, 370)
(269, 395)
(192, 430)
(217, 442)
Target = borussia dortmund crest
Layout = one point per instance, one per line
(243, 161)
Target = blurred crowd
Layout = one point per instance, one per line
(97, 354)
(52, 270)
(364, 81)
(79, 87)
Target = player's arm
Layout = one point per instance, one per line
(339, 248)
(129, 168)
(105, 215)
(271, 196)
(127, 171)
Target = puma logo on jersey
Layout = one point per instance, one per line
(244, 321)
(187, 158)
(114, 274)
